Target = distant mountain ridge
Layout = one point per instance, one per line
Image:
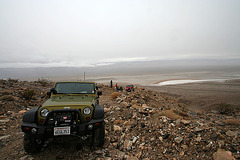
(124, 68)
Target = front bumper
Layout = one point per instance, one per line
(48, 131)
(76, 129)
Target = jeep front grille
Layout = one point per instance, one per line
(63, 117)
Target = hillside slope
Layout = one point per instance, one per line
(139, 125)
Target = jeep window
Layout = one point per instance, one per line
(75, 88)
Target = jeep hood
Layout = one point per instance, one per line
(70, 100)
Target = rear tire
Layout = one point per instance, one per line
(31, 144)
(99, 135)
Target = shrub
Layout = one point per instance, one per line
(2, 81)
(225, 108)
(7, 98)
(43, 82)
(12, 80)
(114, 95)
(6, 92)
(28, 94)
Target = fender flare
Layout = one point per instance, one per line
(98, 112)
(31, 115)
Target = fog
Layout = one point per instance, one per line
(60, 33)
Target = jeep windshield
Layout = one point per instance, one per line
(74, 88)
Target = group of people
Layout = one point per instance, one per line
(111, 85)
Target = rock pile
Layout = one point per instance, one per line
(148, 125)
(139, 125)
(13, 105)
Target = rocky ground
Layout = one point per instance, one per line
(143, 124)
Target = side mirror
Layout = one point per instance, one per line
(96, 87)
(49, 94)
(53, 90)
(99, 93)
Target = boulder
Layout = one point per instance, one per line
(221, 154)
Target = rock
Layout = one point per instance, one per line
(4, 137)
(116, 154)
(160, 138)
(184, 114)
(198, 139)
(20, 133)
(133, 102)
(178, 122)
(231, 133)
(107, 142)
(119, 100)
(210, 144)
(139, 154)
(181, 153)
(99, 152)
(23, 158)
(141, 145)
(197, 129)
(143, 125)
(4, 120)
(221, 154)
(214, 136)
(117, 128)
(186, 122)
(117, 108)
(114, 139)
(134, 106)
(131, 158)
(119, 121)
(166, 136)
(199, 123)
(152, 139)
(221, 143)
(2, 117)
(178, 140)
(144, 106)
(125, 104)
(129, 123)
(127, 144)
(27, 157)
(107, 110)
(60, 157)
(134, 140)
(22, 111)
(164, 118)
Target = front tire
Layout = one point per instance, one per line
(31, 144)
(99, 135)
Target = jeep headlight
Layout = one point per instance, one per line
(44, 112)
(86, 111)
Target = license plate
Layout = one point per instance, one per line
(61, 131)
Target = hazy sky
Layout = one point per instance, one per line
(97, 32)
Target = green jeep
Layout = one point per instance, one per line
(72, 110)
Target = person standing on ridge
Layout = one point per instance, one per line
(111, 83)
